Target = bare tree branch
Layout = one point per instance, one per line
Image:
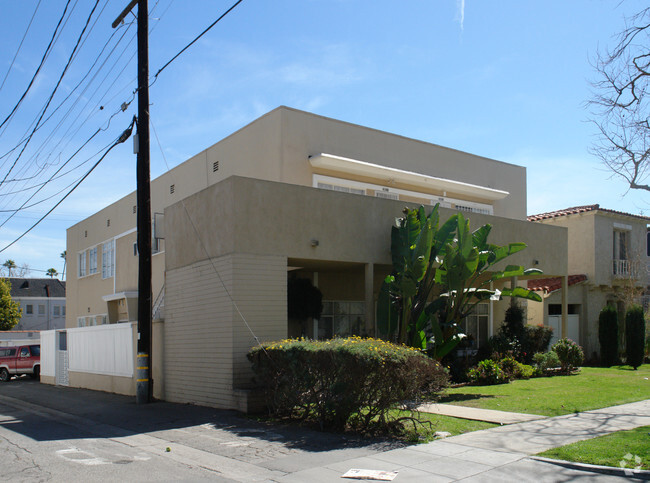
(620, 105)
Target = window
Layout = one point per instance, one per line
(56, 311)
(82, 264)
(63, 310)
(475, 326)
(81, 321)
(342, 318)
(41, 310)
(29, 309)
(92, 255)
(620, 245)
(620, 255)
(108, 259)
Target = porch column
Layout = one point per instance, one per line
(565, 305)
(369, 298)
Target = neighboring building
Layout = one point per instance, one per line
(42, 303)
(291, 194)
(609, 257)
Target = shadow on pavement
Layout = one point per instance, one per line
(44, 413)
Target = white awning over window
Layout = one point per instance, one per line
(393, 175)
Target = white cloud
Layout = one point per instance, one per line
(461, 13)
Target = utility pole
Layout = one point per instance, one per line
(144, 385)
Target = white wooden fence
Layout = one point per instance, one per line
(101, 349)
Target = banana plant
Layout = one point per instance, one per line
(416, 244)
(439, 275)
(466, 273)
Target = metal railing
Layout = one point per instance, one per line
(158, 312)
(621, 268)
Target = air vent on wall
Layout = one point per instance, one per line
(171, 189)
(215, 166)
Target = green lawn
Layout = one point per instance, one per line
(591, 388)
(630, 447)
(424, 432)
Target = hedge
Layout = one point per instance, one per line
(343, 382)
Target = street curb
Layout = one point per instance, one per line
(643, 475)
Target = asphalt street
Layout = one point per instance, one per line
(51, 433)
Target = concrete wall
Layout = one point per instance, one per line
(275, 147)
(247, 233)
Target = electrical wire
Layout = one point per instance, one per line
(204, 248)
(123, 137)
(20, 45)
(197, 38)
(65, 69)
(40, 65)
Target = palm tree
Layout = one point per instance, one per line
(9, 265)
(63, 255)
(51, 272)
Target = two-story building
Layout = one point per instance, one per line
(608, 264)
(292, 194)
(42, 303)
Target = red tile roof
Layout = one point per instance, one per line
(549, 285)
(580, 209)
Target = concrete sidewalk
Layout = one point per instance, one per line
(229, 447)
(497, 454)
(476, 414)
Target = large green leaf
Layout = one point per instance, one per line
(522, 293)
(499, 253)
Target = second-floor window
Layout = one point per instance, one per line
(92, 256)
(621, 248)
(108, 259)
(621, 253)
(82, 264)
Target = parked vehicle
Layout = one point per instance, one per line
(24, 359)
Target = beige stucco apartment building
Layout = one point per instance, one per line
(292, 194)
(608, 264)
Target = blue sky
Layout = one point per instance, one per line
(507, 80)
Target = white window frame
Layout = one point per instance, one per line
(108, 259)
(29, 309)
(81, 271)
(92, 256)
(56, 311)
(361, 188)
(41, 310)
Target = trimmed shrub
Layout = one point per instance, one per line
(487, 373)
(570, 354)
(343, 382)
(513, 323)
(514, 369)
(634, 336)
(544, 362)
(608, 335)
(538, 337)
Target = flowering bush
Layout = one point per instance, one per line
(544, 362)
(340, 382)
(487, 373)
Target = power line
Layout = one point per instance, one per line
(65, 69)
(20, 45)
(123, 137)
(40, 65)
(197, 38)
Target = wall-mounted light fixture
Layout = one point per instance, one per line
(314, 242)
